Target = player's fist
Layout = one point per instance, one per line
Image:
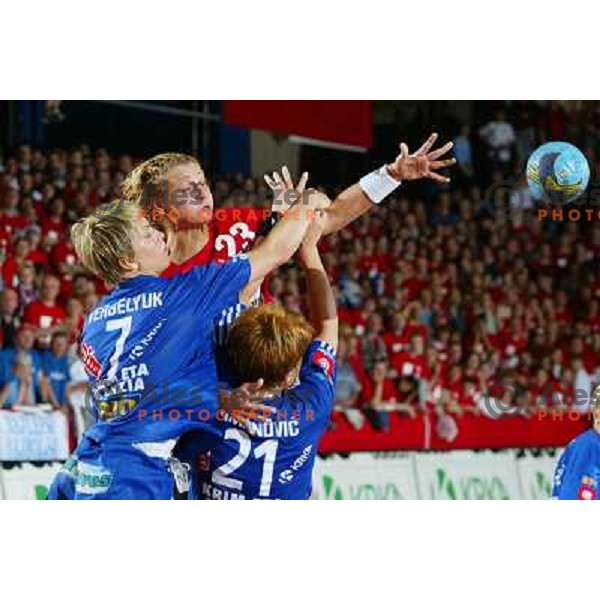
(317, 200)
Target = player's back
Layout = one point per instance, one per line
(577, 475)
(148, 349)
(273, 459)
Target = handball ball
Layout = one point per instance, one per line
(557, 172)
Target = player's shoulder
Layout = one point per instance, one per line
(585, 447)
(589, 439)
(321, 355)
(317, 375)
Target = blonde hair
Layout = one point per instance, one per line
(104, 238)
(144, 184)
(268, 342)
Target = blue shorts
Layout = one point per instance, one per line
(115, 471)
(63, 484)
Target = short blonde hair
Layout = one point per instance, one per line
(104, 238)
(144, 185)
(268, 342)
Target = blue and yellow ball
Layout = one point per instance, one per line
(557, 172)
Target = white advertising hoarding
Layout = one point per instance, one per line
(33, 436)
(536, 475)
(465, 475)
(365, 476)
(456, 475)
(27, 481)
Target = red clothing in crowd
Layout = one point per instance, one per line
(390, 390)
(63, 252)
(395, 342)
(354, 317)
(414, 287)
(52, 229)
(409, 365)
(38, 257)
(13, 224)
(41, 315)
(10, 270)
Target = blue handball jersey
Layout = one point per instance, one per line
(577, 475)
(273, 459)
(148, 349)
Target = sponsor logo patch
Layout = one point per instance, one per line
(325, 362)
(92, 479)
(588, 490)
(90, 362)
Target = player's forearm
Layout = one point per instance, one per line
(351, 204)
(251, 291)
(282, 242)
(321, 300)
(356, 200)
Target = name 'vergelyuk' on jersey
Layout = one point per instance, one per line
(148, 349)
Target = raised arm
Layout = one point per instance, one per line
(323, 312)
(374, 187)
(285, 238)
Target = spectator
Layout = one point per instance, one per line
(22, 388)
(464, 156)
(77, 388)
(26, 288)
(53, 226)
(9, 323)
(11, 218)
(45, 315)
(348, 388)
(23, 346)
(74, 320)
(499, 136)
(36, 255)
(372, 344)
(11, 266)
(55, 365)
(383, 397)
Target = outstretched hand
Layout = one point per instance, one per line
(284, 191)
(423, 164)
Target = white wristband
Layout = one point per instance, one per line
(378, 185)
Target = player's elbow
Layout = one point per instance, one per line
(328, 332)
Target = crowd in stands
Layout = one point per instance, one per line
(440, 298)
